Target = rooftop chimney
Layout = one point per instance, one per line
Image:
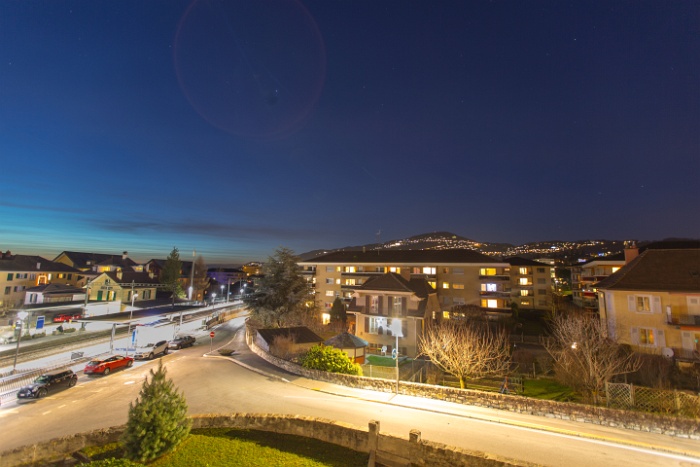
(631, 251)
(38, 265)
(125, 255)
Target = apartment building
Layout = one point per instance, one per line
(653, 303)
(21, 272)
(531, 283)
(459, 277)
(585, 276)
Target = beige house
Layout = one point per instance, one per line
(389, 309)
(18, 273)
(653, 303)
(122, 286)
(459, 277)
(531, 284)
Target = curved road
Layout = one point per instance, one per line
(219, 385)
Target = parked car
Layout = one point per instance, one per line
(48, 382)
(181, 342)
(107, 365)
(62, 318)
(149, 351)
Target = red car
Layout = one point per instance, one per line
(64, 318)
(107, 365)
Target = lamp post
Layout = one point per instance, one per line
(396, 330)
(131, 314)
(22, 315)
(228, 288)
(213, 299)
(222, 290)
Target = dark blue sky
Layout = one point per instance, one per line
(235, 127)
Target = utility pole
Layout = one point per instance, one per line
(194, 253)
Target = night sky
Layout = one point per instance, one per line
(236, 127)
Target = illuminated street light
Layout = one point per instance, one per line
(396, 330)
(21, 316)
(131, 314)
(222, 290)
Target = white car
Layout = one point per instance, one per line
(149, 351)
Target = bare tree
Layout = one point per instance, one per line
(201, 280)
(466, 350)
(584, 357)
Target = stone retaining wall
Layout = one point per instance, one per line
(382, 449)
(640, 421)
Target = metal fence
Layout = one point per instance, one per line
(410, 370)
(665, 401)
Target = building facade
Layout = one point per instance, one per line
(585, 276)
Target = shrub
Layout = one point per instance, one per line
(321, 357)
(157, 420)
(112, 462)
(225, 352)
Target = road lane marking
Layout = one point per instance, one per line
(129, 382)
(61, 406)
(46, 413)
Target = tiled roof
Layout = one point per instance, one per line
(519, 261)
(658, 270)
(346, 341)
(299, 334)
(128, 276)
(392, 282)
(22, 263)
(83, 260)
(49, 289)
(456, 256)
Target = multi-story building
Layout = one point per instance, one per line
(530, 283)
(460, 277)
(123, 286)
(653, 303)
(21, 272)
(390, 312)
(586, 275)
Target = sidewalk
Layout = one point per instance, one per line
(243, 356)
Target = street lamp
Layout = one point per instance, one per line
(396, 330)
(222, 290)
(21, 316)
(213, 299)
(131, 315)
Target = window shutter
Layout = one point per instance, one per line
(631, 303)
(404, 310)
(635, 336)
(656, 304)
(660, 338)
(366, 323)
(368, 304)
(390, 304)
(687, 340)
(380, 305)
(404, 328)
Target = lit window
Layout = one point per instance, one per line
(398, 306)
(395, 269)
(646, 336)
(487, 271)
(337, 281)
(330, 293)
(523, 281)
(350, 282)
(374, 304)
(445, 285)
(523, 293)
(523, 271)
(489, 288)
(350, 269)
(433, 284)
(446, 314)
(428, 270)
(489, 303)
(326, 318)
(458, 286)
(615, 268)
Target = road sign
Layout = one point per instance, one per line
(40, 322)
(211, 334)
(393, 354)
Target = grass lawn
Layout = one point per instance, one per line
(549, 389)
(225, 446)
(379, 360)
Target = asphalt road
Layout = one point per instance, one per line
(214, 384)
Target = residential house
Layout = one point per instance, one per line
(54, 293)
(155, 267)
(586, 275)
(653, 302)
(123, 286)
(21, 272)
(390, 311)
(460, 277)
(98, 262)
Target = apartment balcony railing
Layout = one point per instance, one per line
(683, 320)
(495, 294)
(362, 273)
(497, 277)
(686, 355)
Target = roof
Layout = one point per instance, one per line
(616, 258)
(131, 276)
(392, 282)
(456, 256)
(299, 334)
(21, 263)
(83, 260)
(346, 340)
(50, 289)
(520, 261)
(658, 270)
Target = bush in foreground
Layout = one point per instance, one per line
(157, 420)
(324, 358)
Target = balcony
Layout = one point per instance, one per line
(496, 277)
(361, 273)
(686, 355)
(684, 320)
(495, 294)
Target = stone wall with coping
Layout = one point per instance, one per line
(382, 448)
(640, 421)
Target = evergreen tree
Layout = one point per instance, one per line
(201, 280)
(157, 419)
(282, 293)
(338, 314)
(170, 275)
